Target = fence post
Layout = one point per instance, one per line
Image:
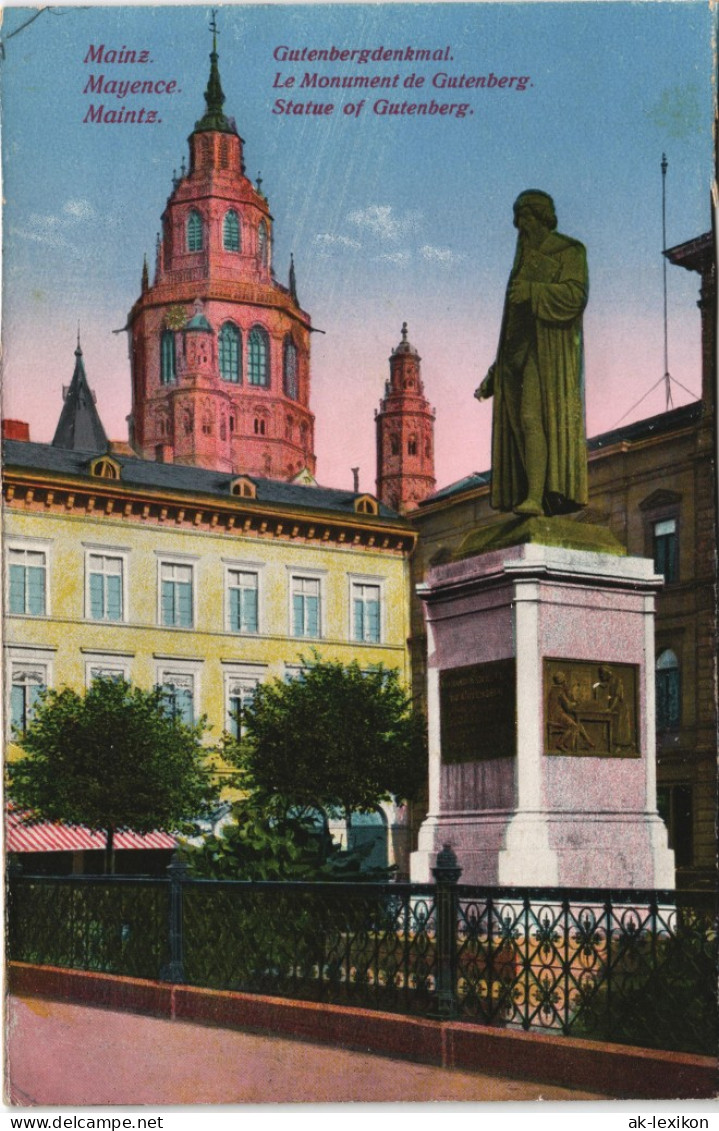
(177, 872)
(446, 875)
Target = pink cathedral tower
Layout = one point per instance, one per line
(405, 433)
(220, 351)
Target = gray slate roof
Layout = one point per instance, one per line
(680, 417)
(177, 477)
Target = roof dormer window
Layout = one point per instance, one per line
(105, 468)
(244, 487)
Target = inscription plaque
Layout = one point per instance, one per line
(590, 709)
(477, 712)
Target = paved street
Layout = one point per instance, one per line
(61, 1054)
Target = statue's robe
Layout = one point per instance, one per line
(548, 329)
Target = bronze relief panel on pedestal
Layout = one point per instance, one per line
(591, 709)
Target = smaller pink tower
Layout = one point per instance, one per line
(405, 433)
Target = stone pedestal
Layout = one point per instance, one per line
(541, 720)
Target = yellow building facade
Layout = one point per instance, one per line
(196, 581)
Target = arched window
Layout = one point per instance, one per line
(167, 358)
(263, 243)
(194, 231)
(230, 350)
(231, 231)
(412, 446)
(289, 369)
(668, 691)
(225, 158)
(105, 468)
(259, 359)
(394, 445)
(366, 504)
(260, 426)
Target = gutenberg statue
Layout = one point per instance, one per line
(539, 451)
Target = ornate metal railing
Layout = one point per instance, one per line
(115, 924)
(635, 967)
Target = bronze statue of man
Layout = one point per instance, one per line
(539, 451)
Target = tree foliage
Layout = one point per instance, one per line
(335, 738)
(258, 845)
(111, 759)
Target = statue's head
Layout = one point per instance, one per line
(540, 204)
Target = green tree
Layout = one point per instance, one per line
(258, 845)
(335, 738)
(114, 758)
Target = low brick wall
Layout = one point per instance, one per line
(620, 1071)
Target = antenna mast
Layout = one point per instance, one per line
(667, 378)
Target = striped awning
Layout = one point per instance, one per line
(49, 837)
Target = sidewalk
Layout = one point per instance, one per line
(60, 1054)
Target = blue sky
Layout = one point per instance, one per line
(390, 219)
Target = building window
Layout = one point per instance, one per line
(242, 603)
(105, 468)
(231, 231)
(243, 486)
(27, 682)
(176, 595)
(259, 426)
(230, 351)
(290, 369)
(668, 691)
(27, 582)
(178, 689)
(306, 607)
(366, 504)
(194, 231)
(168, 372)
(239, 693)
(107, 666)
(365, 613)
(412, 446)
(676, 808)
(666, 549)
(259, 370)
(105, 587)
(106, 672)
(263, 244)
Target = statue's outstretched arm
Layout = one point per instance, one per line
(486, 388)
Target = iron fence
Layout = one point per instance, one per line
(633, 967)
